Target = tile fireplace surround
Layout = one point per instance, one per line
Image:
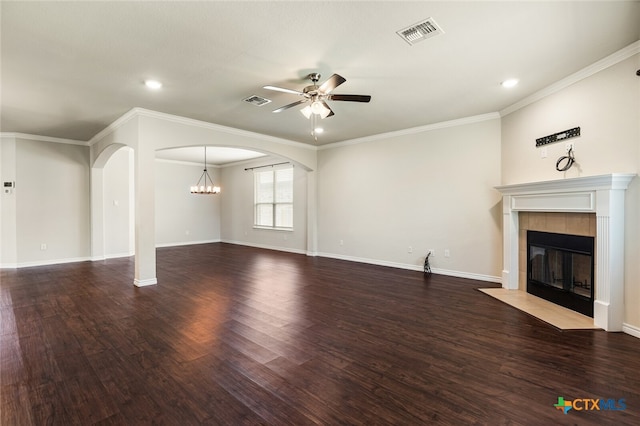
(602, 195)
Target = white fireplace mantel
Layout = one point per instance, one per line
(602, 195)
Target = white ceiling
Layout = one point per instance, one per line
(71, 68)
(216, 155)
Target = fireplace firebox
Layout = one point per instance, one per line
(560, 268)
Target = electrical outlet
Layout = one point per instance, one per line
(569, 147)
(341, 242)
(432, 252)
(543, 152)
(447, 253)
(410, 249)
(43, 246)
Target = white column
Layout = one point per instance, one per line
(145, 248)
(510, 238)
(312, 217)
(608, 308)
(97, 213)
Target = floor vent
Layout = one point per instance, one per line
(420, 31)
(257, 100)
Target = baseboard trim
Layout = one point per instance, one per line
(468, 275)
(52, 262)
(458, 274)
(266, 247)
(187, 243)
(118, 255)
(631, 329)
(144, 283)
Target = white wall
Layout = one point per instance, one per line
(606, 106)
(118, 204)
(52, 202)
(426, 190)
(237, 210)
(182, 217)
(8, 235)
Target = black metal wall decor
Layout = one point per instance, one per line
(427, 267)
(557, 137)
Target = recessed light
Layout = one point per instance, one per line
(509, 83)
(153, 84)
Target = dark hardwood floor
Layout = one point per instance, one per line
(235, 335)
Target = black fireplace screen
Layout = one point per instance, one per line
(560, 269)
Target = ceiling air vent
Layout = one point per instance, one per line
(257, 100)
(420, 31)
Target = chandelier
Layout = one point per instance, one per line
(205, 183)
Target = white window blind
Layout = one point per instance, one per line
(274, 198)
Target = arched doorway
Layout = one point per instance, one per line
(148, 132)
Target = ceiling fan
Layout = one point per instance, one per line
(318, 96)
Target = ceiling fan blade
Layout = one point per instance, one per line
(350, 98)
(290, 105)
(328, 112)
(333, 82)
(282, 89)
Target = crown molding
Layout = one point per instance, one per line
(119, 122)
(43, 138)
(217, 127)
(414, 130)
(613, 59)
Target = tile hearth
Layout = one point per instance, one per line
(556, 315)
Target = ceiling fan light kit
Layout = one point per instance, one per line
(318, 95)
(317, 108)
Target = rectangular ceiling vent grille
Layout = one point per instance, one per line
(257, 100)
(420, 31)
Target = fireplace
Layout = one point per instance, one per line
(603, 195)
(560, 269)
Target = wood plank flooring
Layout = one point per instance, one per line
(235, 335)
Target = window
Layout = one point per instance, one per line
(274, 198)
